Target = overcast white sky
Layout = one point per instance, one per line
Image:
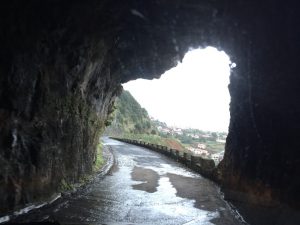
(193, 94)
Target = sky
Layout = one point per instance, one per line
(194, 94)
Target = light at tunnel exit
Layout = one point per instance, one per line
(194, 94)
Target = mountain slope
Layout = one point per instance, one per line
(129, 117)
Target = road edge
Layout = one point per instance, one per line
(100, 174)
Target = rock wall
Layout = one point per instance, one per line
(62, 62)
(262, 158)
(56, 90)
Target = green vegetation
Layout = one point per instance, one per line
(129, 117)
(130, 120)
(68, 186)
(99, 158)
(156, 139)
(65, 186)
(215, 147)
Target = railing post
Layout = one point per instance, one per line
(185, 160)
(177, 155)
(192, 161)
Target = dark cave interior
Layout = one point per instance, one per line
(62, 64)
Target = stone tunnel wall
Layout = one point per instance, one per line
(57, 89)
(61, 65)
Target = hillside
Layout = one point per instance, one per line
(129, 117)
(130, 120)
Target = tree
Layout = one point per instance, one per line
(153, 132)
(214, 136)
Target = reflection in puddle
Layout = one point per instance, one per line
(149, 179)
(142, 190)
(164, 169)
(165, 201)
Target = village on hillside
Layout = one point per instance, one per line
(131, 121)
(206, 144)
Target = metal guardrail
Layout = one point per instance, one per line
(201, 165)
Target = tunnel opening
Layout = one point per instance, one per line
(62, 64)
(188, 105)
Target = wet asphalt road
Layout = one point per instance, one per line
(143, 187)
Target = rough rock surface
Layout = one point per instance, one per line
(62, 62)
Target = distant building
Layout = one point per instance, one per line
(217, 157)
(178, 132)
(203, 152)
(190, 149)
(202, 146)
(198, 151)
(193, 135)
(206, 135)
(163, 130)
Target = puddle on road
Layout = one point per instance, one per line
(148, 177)
(155, 188)
(164, 169)
(166, 202)
(200, 190)
(140, 193)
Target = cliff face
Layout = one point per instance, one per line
(61, 65)
(57, 87)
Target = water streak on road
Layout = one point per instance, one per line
(143, 187)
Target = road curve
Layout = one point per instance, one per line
(143, 187)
